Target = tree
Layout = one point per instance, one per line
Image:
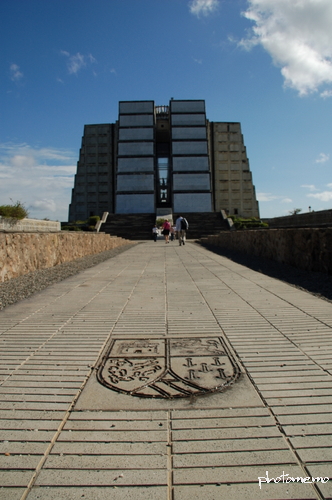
(295, 211)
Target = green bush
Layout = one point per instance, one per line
(70, 228)
(160, 221)
(15, 211)
(93, 219)
(249, 223)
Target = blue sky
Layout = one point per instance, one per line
(264, 63)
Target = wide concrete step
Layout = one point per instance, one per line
(204, 223)
(130, 226)
(139, 226)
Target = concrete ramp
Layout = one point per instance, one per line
(166, 372)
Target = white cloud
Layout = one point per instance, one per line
(44, 204)
(203, 7)
(298, 36)
(322, 158)
(41, 178)
(323, 196)
(15, 73)
(77, 61)
(326, 94)
(273, 197)
(311, 187)
(266, 197)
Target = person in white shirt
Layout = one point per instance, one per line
(181, 223)
(155, 232)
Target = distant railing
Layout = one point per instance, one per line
(162, 110)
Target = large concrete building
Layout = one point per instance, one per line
(163, 159)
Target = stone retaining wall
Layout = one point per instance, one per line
(309, 219)
(22, 253)
(28, 225)
(308, 249)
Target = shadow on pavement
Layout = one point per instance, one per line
(319, 284)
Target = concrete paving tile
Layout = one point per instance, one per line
(110, 448)
(223, 422)
(113, 435)
(295, 386)
(23, 435)
(324, 471)
(322, 391)
(314, 441)
(116, 477)
(52, 372)
(60, 378)
(11, 493)
(226, 459)
(238, 474)
(282, 370)
(22, 462)
(314, 455)
(307, 429)
(36, 397)
(306, 418)
(227, 433)
(250, 491)
(299, 400)
(225, 445)
(104, 462)
(119, 415)
(15, 478)
(116, 425)
(97, 493)
(29, 424)
(23, 448)
(219, 413)
(15, 389)
(301, 409)
(326, 490)
(314, 377)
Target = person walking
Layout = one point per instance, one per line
(181, 228)
(173, 229)
(155, 232)
(166, 230)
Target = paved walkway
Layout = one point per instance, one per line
(64, 435)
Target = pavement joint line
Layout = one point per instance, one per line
(49, 339)
(286, 437)
(240, 361)
(69, 410)
(257, 284)
(298, 421)
(217, 324)
(297, 346)
(53, 441)
(169, 457)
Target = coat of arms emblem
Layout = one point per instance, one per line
(168, 368)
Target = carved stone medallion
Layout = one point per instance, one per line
(168, 368)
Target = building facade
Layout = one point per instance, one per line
(168, 158)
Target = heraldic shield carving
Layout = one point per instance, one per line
(168, 368)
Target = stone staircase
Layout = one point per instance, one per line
(204, 223)
(139, 226)
(130, 226)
